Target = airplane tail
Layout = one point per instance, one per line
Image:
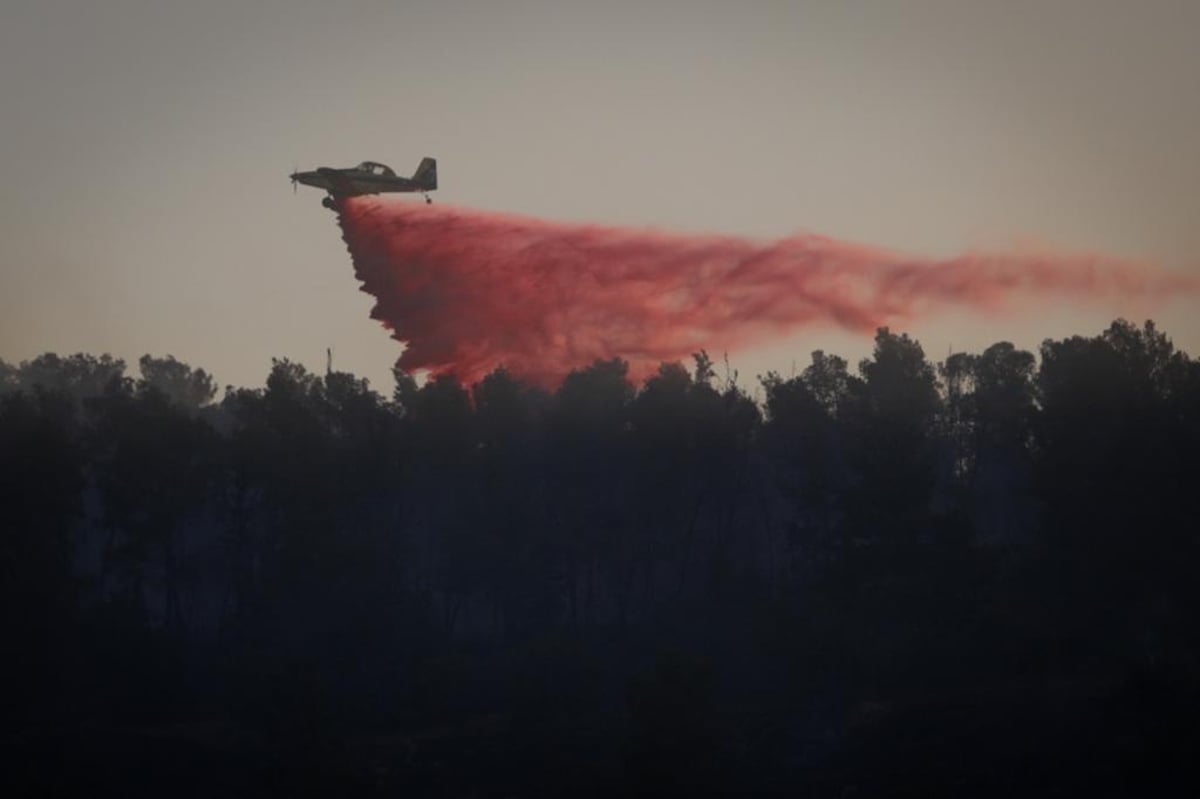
(426, 174)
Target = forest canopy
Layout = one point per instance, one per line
(901, 577)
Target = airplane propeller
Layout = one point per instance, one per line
(294, 171)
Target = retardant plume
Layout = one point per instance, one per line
(469, 290)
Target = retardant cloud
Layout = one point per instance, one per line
(469, 290)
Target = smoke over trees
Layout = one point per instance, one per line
(972, 577)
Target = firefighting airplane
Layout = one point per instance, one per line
(368, 177)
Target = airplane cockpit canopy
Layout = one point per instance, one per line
(376, 169)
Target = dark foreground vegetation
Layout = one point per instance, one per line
(971, 579)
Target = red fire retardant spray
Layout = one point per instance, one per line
(468, 291)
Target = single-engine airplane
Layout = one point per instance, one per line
(368, 177)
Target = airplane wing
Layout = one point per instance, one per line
(339, 183)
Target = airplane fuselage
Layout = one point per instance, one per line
(369, 177)
(349, 182)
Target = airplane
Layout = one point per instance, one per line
(368, 177)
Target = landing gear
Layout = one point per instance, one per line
(428, 200)
(328, 203)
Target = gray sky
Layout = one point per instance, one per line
(145, 205)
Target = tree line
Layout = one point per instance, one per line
(907, 578)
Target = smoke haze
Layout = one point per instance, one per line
(468, 291)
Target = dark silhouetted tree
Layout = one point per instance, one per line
(41, 497)
(79, 376)
(187, 388)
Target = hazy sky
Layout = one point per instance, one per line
(145, 205)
